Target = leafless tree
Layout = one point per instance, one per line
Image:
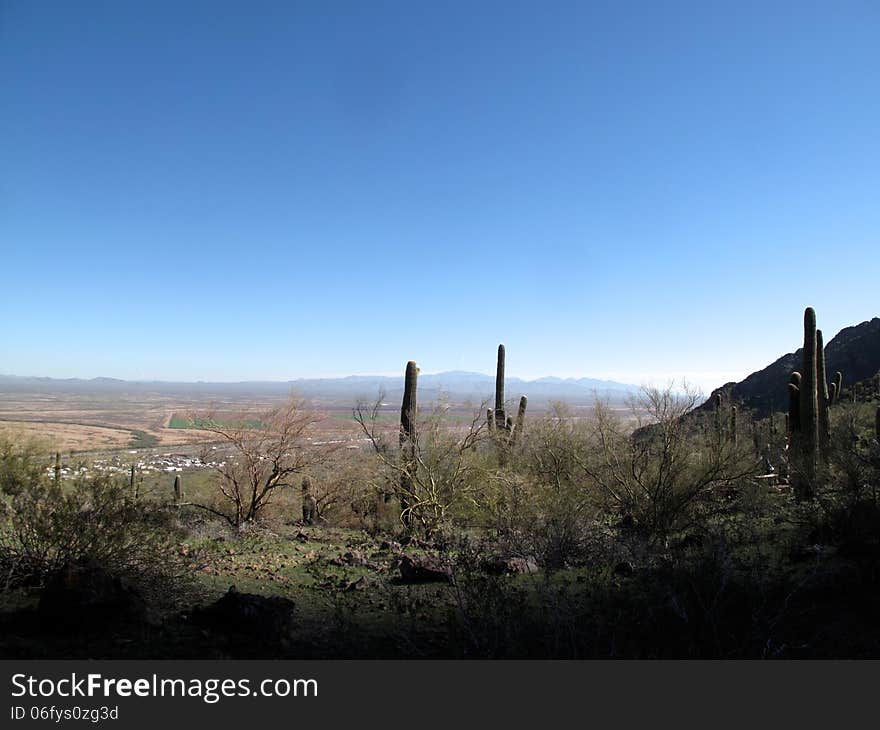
(267, 447)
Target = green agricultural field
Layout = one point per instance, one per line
(207, 423)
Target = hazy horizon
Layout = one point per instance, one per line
(703, 382)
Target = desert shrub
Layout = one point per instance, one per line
(848, 493)
(489, 617)
(345, 489)
(47, 524)
(543, 502)
(672, 469)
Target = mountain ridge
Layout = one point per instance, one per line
(854, 351)
(458, 384)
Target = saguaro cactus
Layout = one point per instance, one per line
(520, 418)
(806, 433)
(838, 386)
(500, 416)
(733, 434)
(408, 409)
(131, 478)
(57, 468)
(809, 392)
(822, 396)
(178, 495)
(409, 405)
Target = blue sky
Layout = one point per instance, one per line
(636, 190)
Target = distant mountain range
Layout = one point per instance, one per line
(457, 386)
(854, 351)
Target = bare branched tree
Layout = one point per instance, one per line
(267, 448)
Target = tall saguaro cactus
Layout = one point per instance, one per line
(409, 405)
(57, 468)
(177, 493)
(408, 409)
(809, 394)
(500, 416)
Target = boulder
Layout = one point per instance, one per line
(424, 569)
(502, 564)
(263, 619)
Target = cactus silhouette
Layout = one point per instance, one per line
(57, 467)
(500, 416)
(177, 492)
(409, 405)
(822, 396)
(408, 410)
(808, 437)
(733, 435)
(838, 385)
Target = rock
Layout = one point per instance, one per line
(354, 558)
(522, 565)
(500, 565)
(424, 569)
(264, 619)
(85, 595)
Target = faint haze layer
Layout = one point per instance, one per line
(632, 191)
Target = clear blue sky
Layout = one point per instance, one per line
(253, 190)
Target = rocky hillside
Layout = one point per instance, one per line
(855, 352)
